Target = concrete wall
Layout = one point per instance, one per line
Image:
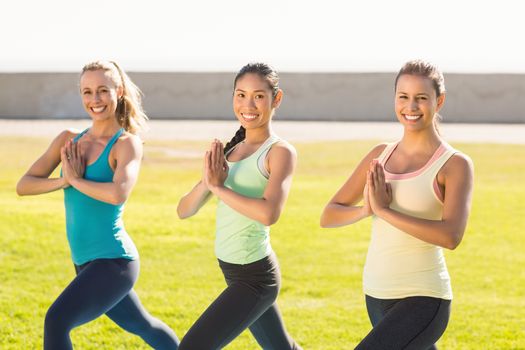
(472, 98)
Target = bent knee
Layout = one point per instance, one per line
(56, 321)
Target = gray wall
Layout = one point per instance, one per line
(483, 98)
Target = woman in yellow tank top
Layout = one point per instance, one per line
(418, 193)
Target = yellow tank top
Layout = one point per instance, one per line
(399, 265)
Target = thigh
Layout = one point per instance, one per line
(413, 320)
(129, 313)
(378, 308)
(97, 288)
(233, 311)
(434, 330)
(269, 330)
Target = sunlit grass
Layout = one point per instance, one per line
(321, 298)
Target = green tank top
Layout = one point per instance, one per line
(239, 239)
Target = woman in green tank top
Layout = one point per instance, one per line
(251, 176)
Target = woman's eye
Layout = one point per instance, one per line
(259, 96)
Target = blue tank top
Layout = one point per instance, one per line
(95, 229)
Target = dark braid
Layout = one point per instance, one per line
(266, 72)
(238, 137)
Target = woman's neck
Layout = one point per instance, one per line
(420, 141)
(104, 128)
(257, 136)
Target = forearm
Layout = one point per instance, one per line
(32, 185)
(336, 215)
(108, 192)
(258, 209)
(439, 232)
(192, 201)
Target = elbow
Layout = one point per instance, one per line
(118, 199)
(453, 242)
(186, 209)
(451, 246)
(116, 202)
(20, 190)
(183, 214)
(271, 218)
(323, 222)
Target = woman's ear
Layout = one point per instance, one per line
(277, 99)
(440, 102)
(120, 92)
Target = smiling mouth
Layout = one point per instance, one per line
(249, 116)
(412, 117)
(98, 109)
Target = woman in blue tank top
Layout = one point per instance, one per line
(251, 176)
(100, 166)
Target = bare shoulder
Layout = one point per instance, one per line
(128, 139)
(128, 144)
(69, 134)
(459, 163)
(376, 151)
(284, 148)
(65, 136)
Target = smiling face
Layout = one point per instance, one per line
(416, 101)
(253, 102)
(99, 94)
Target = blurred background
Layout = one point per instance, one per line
(337, 59)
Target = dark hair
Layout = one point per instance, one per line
(428, 70)
(266, 72)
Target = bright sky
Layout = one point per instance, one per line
(292, 35)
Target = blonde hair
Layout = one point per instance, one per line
(130, 114)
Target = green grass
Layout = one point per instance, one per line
(321, 298)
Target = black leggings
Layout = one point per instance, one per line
(247, 302)
(414, 323)
(104, 286)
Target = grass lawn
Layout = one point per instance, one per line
(321, 298)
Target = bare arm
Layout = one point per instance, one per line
(447, 232)
(36, 180)
(282, 159)
(128, 154)
(342, 208)
(192, 201)
(199, 195)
